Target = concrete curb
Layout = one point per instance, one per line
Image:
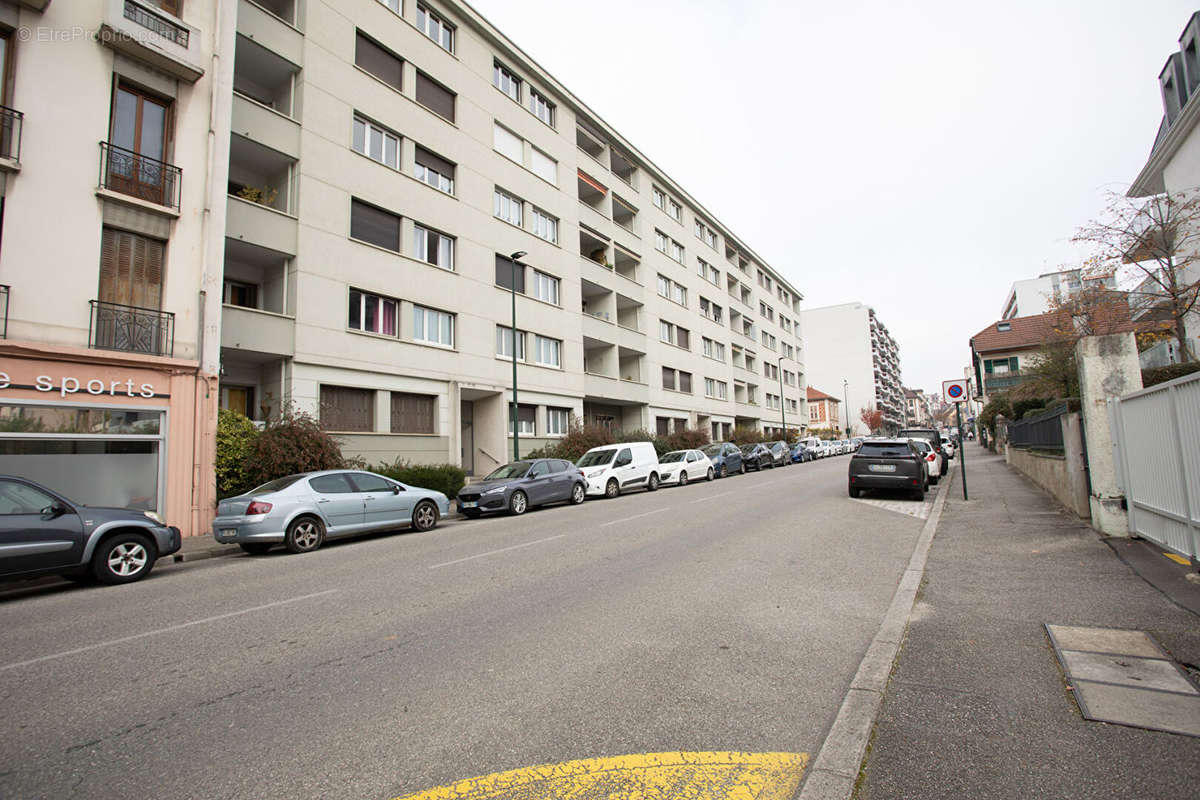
(834, 771)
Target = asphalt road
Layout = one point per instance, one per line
(729, 615)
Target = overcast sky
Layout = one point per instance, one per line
(916, 156)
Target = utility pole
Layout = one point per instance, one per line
(513, 289)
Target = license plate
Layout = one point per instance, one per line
(229, 531)
(469, 505)
(882, 467)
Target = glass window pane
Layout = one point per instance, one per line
(121, 474)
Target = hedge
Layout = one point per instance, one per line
(236, 437)
(445, 478)
(1170, 372)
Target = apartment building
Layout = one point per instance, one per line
(400, 174)
(851, 347)
(114, 129)
(1034, 296)
(916, 408)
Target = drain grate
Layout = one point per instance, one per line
(1124, 677)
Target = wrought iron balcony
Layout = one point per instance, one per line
(11, 122)
(139, 176)
(131, 329)
(4, 311)
(156, 23)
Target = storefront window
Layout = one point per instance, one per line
(61, 419)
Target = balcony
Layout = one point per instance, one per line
(264, 76)
(253, 330)
(261, 124)
(131, 330)
(617, 391)
(4, 290)
(996, 383)
(271, 23)
(623, 168)
(260, 225)
(142, 31)
(135, 175)
(11, 122)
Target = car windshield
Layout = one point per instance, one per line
(516, 469)
(748, 448)
(277, 485)
(596, 458)
(669, 457)
(922, 445)
(711, 450)
(880, 450)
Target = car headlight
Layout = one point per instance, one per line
(155, 517)
(497, 490)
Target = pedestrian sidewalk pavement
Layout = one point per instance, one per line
(978, 704)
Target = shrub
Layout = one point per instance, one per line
(293, 442)
(236, 438)
(998, 405)
(687, 439)
(746, 436)
(445, 478)
(579, 439)
(1168, 373)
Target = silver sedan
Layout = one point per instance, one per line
(302, 511)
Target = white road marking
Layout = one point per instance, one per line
(501, 550)
(635, 516)
(711, 497)
(180, 626)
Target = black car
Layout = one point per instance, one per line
(781, 456)
(44, 533)
(757, 457)
(517, 486)
(726, 458)
(888, 464)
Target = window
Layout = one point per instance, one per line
(433, 247)
(660, 241)
(374, 225)
(504, 343)
(545, 287)
(789, 351)
(714, 349)
(676, 211)
(710, 238)
(507, 143)
(672, 291)
(543, 225)
(131, 269)
(436, 28)
(698, 228)
(677, 251)
(664, 286)
(543, 166)
(766, 311)
(711, 310)
(413, 413)
(504, 274)
(435, 97)
(376, 143)
(434, 170)
(662, 426)
(673, 334)
(547, 351)
(542, 108)
(376, 59)
(660, 199)
(508, 208)
(433, 327)
(346, 409)
(373, 313)
(394, 5)
(768, 341)
(506, 81)
(678, 294)
(685, 382)
(716, 389)
(558, 421)
(526, 419)
(236, 293)
(668, 379)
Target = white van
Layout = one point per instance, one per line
(614, 468)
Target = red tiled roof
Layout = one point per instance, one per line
(817, 394)
(1026, 333)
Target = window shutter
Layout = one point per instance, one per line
(347, 409)
(434, 162)
(987, 366)
(374, 225)
(1012, 364)
(412, 413)
(435, 97)
(504, 274)
(131, 269)
(378, 61)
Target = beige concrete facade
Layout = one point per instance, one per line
(115, 137)
(316, 226)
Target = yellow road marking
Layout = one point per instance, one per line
(642, 776)
(1178, 559)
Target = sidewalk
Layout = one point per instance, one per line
(977, 705)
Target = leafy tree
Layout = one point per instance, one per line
(872, 418)
(292, 442)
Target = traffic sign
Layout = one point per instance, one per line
(954, 391)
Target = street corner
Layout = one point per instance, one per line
(696, 776)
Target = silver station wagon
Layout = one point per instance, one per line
(302, 511)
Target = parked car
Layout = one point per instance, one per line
(302, 511)
(780, 454)
(44, 533)
(857, 442)
(932, 458)
(757, 457)
(949, 448)
(934, 437)
(681, 466)
(800, 453)
(726, 458)
(614, 468)
(520, 485)
(888, 464)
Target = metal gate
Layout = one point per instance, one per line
(1156, 446)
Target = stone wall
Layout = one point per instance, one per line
(1063, 475)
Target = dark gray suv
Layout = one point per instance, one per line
(42, 532)
(888, 464)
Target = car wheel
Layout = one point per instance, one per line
(424, 516)
(855, 492)
(683, 477)
(578, 493)
(710, 474)
(304, 535)
(472, 514)
(945, 469)
(518, 503)
(919, 494)
(256, 548)
(612, 488)
(743, 467)
(934, 480)
(724, 471)
(124, 558)
(652, 482)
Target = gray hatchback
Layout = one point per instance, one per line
(888, 464)
(517, 486)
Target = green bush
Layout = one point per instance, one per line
(293, 442)
(746, 436)
(687, 439)
(1170, 372)
(579, 439)
(445, 478)
(236, 438)
(998, 405)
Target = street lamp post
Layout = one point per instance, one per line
(846, 397)
(782, 399)
(513, 259)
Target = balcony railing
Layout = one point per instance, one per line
(1009, 380)
(11, 122)
(139, 176)
(3, 311)
(153, 22)
(131, 329)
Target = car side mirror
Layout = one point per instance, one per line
(55, 509)
(395, 489)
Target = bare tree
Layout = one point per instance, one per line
(872, 418)
(1155, 242)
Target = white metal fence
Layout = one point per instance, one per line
(1156, 443)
